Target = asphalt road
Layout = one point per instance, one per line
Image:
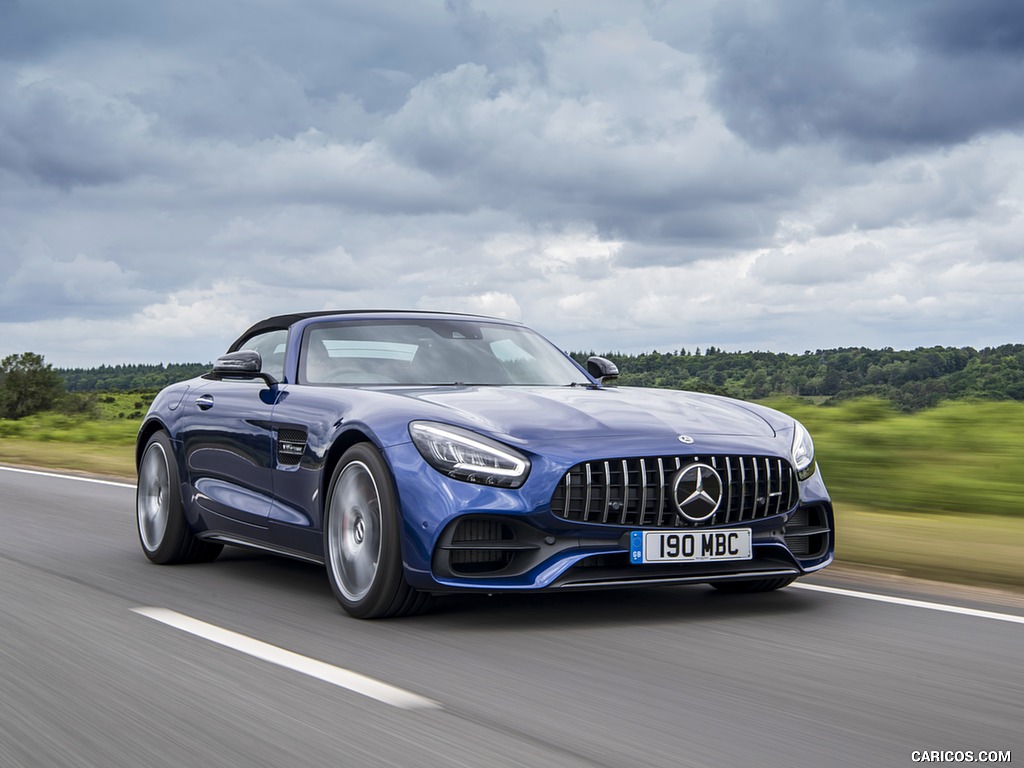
(659, 677)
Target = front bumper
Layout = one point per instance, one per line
(498, 553)
(458, 536)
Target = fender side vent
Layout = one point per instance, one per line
(291, 445)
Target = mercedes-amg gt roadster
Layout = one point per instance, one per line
(419, 453)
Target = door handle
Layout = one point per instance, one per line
(205, 402)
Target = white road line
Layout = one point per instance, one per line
(913, 603)
(68, 477)
(343, 678)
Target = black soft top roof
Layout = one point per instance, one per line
(283, 322)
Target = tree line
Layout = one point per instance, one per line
(909, 379)
(28, 384)
(127, 378)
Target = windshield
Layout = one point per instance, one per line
(431, 352)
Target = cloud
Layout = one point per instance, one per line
(490, 303)
(621, 174)
(82, 287)
(65, 133)
(814, 265)
(879, 78)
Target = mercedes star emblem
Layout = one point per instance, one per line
(697, 492)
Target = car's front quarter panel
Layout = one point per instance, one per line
(430, 501)
(165, 410)
(329, 419)
(165, 414)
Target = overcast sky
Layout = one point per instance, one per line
(622, 175)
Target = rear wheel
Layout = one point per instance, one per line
(165, 535)
(362, 549)
(746, 586)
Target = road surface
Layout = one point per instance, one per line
(107, 660)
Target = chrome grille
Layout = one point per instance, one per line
(638, 492)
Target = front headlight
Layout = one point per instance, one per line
(465, 455)
(803, 451)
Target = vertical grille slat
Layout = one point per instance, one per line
(753, 488)
(757, 487)
(586, 504)
(743, 489)
(778, 491)
(661, 492)
(607, 491)
(728, 495)
(721, 464)
(625, 492)
(643, 492)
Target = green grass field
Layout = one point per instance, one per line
(103, 444)
(937, 494)
(961, 457)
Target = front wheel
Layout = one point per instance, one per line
(746, 586)
(362, 549)
(164, 533)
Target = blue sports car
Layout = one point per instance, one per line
(419, 453)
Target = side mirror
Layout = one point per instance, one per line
(602, 369)
(243, 364)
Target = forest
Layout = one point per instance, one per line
(908, 379)
(129, 378)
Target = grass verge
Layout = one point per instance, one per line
(983, 550)
(100, 459)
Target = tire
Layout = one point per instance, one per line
(362, 531)
(165, 536)
(748, 586)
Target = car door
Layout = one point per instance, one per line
(227, 441)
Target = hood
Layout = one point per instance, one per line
(553, 413)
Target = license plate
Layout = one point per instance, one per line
(689, 546)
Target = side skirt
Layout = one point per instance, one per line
(240, 541)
